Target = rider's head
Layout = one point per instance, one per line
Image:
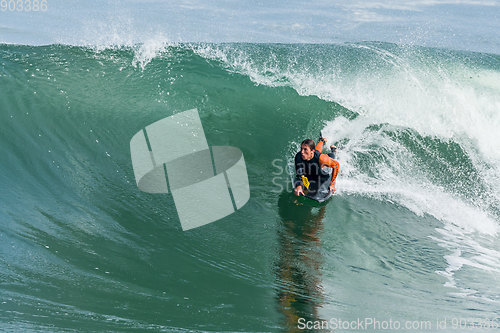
(307, 148)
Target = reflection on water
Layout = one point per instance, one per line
(298, 268)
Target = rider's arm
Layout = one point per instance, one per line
(319, 146)
(299, 169)
(325, 160)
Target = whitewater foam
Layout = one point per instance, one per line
(376, 165)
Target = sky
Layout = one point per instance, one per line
(466, 24)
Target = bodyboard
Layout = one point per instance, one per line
(319, 193)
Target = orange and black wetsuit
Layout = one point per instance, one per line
(312, 169)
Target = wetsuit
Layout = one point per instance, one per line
(313, 169)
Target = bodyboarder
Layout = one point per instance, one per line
(310, 166)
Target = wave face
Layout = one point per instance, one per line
(410, 234)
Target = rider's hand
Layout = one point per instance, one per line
(298, 191)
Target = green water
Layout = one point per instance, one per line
(409, 236)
